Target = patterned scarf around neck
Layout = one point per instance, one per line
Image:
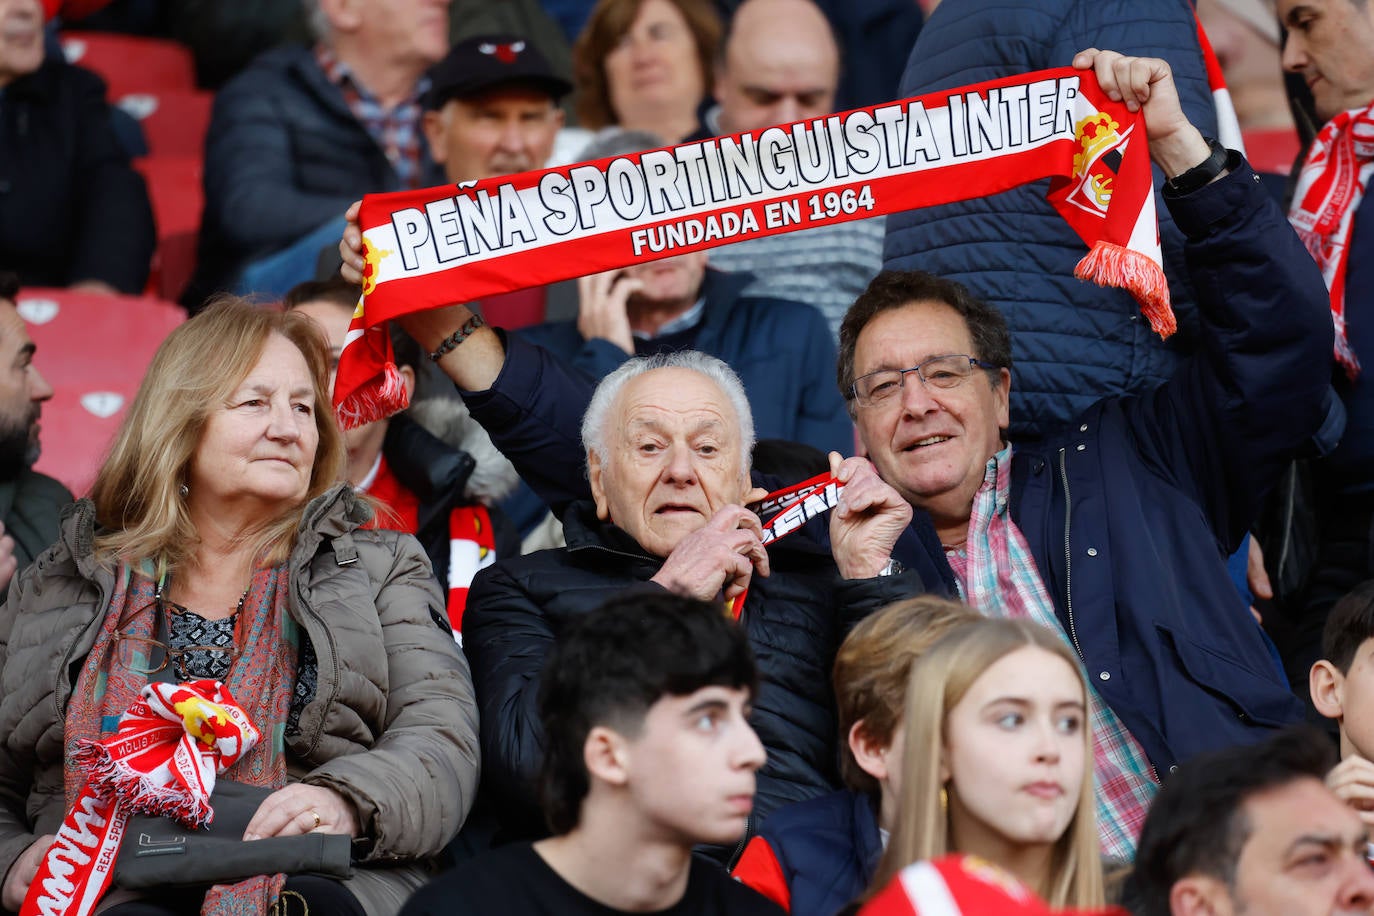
(267, 641)
(998, 577)
(1328, 194)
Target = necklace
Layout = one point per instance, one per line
(166, 604)
(198, 646)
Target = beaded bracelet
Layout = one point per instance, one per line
(453, 340)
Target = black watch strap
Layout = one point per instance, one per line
(1200, 175)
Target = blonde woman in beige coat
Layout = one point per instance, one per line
(218, 508)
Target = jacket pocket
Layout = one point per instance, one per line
(1253, 698)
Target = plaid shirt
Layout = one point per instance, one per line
(997, 576)
(396, 131)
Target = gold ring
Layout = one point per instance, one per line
(316, 816)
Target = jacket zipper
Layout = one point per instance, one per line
(301, 602)
(1068, 578)
(743, 841)
(1068, 553)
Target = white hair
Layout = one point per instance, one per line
(317, 19)
(598, 411)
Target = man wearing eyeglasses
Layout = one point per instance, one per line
(1115, 531)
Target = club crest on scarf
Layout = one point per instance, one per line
(372, 262)
(1100, 145)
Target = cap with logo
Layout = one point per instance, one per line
(485, 62)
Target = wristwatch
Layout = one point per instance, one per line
(892, 568)
(1200, 175)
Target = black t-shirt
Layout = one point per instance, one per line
(515, 881)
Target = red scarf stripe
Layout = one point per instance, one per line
(1330, 188)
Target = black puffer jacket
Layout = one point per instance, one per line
(795, 619)
(71, 206)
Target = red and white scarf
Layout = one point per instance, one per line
(171, 743)
(1329, 190)
(471, 537)
(425, 249)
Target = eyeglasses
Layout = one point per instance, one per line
(942, 372)
(143, 655)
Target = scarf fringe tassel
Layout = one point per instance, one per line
(136, 793)
(1109, 264)
(373, 402)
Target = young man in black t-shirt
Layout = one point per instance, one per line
(647, 752)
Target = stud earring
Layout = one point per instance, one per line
(184, 490)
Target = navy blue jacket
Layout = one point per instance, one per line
(1130, 516)
(783, 352)
(1350, 468)
(284, 155)
(827, 849)
(1072, 342)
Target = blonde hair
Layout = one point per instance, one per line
(136, 493)
(939, 680)
(871, 669)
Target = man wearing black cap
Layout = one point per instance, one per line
(492, 108)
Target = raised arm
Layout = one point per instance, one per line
(524, 397)
(1255, 392)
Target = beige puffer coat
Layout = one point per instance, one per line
(392, 727)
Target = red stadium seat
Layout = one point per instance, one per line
(174, 121)
(519, 309)
(93, 350)
(178, 196)
(131, 63)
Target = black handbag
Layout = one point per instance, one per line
(156, 851)
(159, 852)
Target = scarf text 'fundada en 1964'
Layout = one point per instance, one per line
(429, 248)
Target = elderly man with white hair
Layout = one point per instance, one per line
(668, 440)
(303, 131)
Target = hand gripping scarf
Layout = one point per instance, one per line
(429, 248)
(163, 760)
(1328, 194)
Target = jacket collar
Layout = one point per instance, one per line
(335, 513)
(424, 464)
(582, 530)
(300, 61)
(721, 289)
(41, 84)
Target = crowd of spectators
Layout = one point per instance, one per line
(532, 646)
